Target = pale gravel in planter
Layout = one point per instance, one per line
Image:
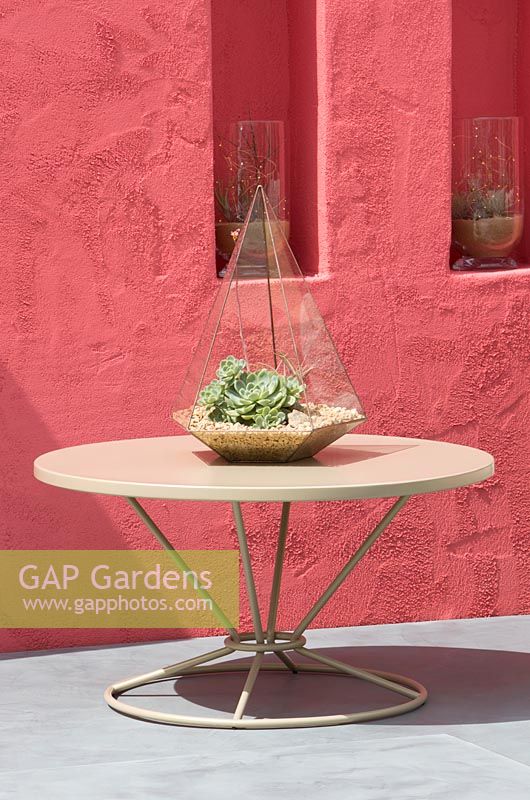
(320, 416)
(302, 436)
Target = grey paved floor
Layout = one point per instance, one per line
(471, 740)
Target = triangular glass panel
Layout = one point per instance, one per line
(266, 383)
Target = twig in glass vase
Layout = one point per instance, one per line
(487, 208)
(252, 155)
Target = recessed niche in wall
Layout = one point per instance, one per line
(491, 74)
(264, 68)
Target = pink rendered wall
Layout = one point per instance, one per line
(264, 58)
(434, 353)
(107, 242)
(250, 78)
(249, 60)
(484, 57)
(107, 248)
(303, 125)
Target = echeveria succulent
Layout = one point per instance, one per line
(212, 394)
(260, 399)
(269, 418)
(229, 369)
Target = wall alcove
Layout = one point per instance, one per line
(264, 64)
(490, 73)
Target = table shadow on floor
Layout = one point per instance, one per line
(465, 686)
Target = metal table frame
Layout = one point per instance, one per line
(357, 467)
(270, 640)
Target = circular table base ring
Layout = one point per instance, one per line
(112, 698)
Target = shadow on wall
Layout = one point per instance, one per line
(35, 516)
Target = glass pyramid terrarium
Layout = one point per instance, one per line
(266, 383)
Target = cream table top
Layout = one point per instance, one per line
(181, 468)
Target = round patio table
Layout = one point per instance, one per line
(181, 468)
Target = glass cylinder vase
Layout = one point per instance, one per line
(487, 202)
(252, 155)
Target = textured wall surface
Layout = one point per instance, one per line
(484, 57)
(107, 246)
(107, 234)
(250, 80)
(433, 352)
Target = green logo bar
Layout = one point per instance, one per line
(119, 589)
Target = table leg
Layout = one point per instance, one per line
(345, 571)
(247, 569)
(277, 642)
(276, 583)
(249, 685)
(179, 561)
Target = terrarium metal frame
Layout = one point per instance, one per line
(262, 382)
(269, 640)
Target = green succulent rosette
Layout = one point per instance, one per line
(269, 418)
(230, 369)
(260, 399)
(212, 394)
